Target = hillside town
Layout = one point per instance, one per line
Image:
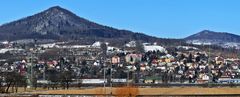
(63, 64)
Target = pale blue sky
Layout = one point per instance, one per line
(160, 18)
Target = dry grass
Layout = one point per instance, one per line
(123, 91)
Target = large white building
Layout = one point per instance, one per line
(149, 47)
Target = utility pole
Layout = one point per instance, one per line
(128, 78)
(44, 74)
(209, 68)
(111, 77)
(104, 76)
(104, 73)
(31, 67)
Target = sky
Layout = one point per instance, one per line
(160, 18)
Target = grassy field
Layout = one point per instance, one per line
(143, 91)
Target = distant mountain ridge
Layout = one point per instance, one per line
(215, 36)
(57, 23)
(207, 37)
(60, 24)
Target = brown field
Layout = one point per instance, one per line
(121, 91)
